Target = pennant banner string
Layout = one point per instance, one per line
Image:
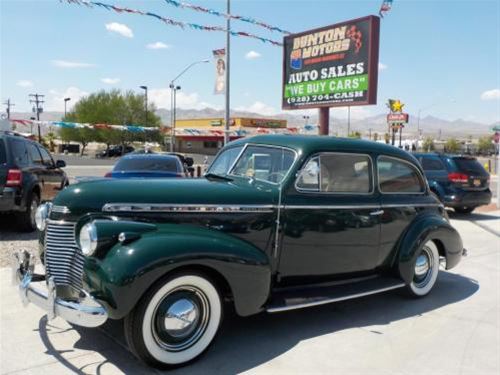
(226, 15)
(76, 125)
(171, 22)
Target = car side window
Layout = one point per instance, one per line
(19, 152)
(432, 164)
(398, 176)
(337, 173)
(47, 159)
(36, 158)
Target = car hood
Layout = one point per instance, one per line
(91, 196)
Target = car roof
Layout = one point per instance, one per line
(308, 144)
(149, 156)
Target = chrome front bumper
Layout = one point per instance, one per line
(87, 312)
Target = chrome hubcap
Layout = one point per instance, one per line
(423, 268)
(180, 318)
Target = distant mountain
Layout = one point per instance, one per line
(429, 125)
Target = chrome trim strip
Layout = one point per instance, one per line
(187, 208)
(330, 300)
(228, 208)
(318, 155)
(60, 209)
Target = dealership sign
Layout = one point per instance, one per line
(398, 118)
(333, 66)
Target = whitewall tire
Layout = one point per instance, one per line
(175, 321)
(426, 269)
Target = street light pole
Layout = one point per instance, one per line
(228, 76)
(65, 101)
(145, 88)
(348, 121)
(173, 90)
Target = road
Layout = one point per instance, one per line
(454, 330)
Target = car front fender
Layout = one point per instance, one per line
(126, 272)
(422, 229)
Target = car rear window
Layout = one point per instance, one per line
(470, 166)
(19, 152)
(3, 155)
(149, 164)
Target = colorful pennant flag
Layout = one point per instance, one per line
(169, 21)
(385, 7)
(75, 125)
(225, 15)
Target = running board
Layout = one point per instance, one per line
(298, 299)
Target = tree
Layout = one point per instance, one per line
(111, 108)
(484, 145)
(375, 137)
(452, 146)
(428, 144)
(355, 134)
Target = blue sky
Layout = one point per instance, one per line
(439, 56)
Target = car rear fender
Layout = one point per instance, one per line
(430, 226)
(126, 272)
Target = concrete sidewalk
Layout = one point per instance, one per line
(454, 330)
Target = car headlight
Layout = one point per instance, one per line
(88, 239)
(41, 215)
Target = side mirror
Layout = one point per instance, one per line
(60, 164)
(189, 161)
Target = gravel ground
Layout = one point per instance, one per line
(12, 240)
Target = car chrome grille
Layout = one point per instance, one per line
(63, 259)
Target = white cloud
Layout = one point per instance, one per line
(252, 55)
(24, 83)
(357, 113)
(71, 64)
(258, 107)
(493, 94)
(120, 28)
(382, 66)
(110, 81)
(157, 45)
(55, 101)
(161, 98)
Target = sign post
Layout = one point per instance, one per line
(332, 66)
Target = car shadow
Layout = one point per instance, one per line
(245, 343)
(9, 230)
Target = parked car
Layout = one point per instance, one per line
(148, 166)
(114, 151)
(28, 175)
(459, 181)
(271, 227)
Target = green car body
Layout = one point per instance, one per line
(262, 235)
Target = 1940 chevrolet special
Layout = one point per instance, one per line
(277, 223)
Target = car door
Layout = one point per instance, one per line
(330, 219)
(403, 194)
(38, 169)
(435, 172)
(53, 177)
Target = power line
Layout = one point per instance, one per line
(38, 101)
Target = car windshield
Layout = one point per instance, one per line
(264, 163)
(224, 161)
(167, 164)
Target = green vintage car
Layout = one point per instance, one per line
(277, 223)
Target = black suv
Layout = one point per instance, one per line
(28, 175)
(114, 151)
(460, 182)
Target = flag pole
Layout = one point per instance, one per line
(228, 64)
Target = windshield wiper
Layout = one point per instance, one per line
(218, 176)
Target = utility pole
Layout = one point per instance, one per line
(9, 104)
(38, 101)
(228, 64)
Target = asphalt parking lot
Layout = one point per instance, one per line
(454, 330)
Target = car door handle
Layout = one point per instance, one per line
(377, 213)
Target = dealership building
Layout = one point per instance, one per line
(206, 135)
